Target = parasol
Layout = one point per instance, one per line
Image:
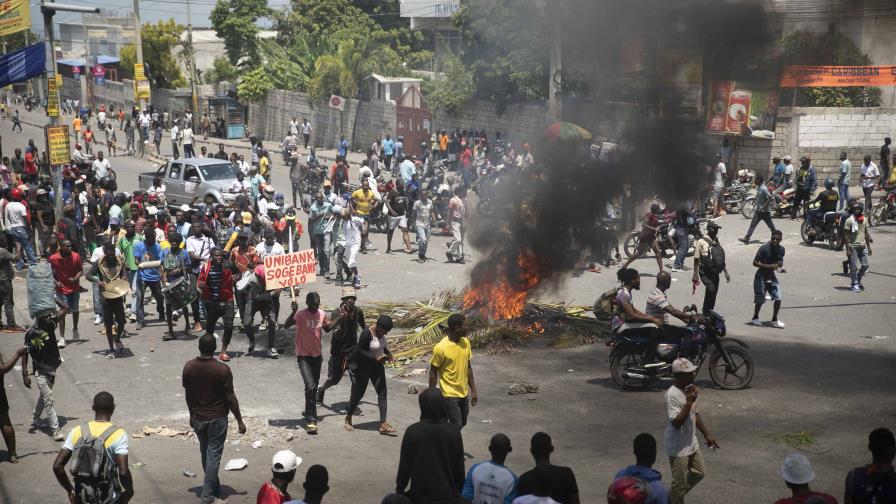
(566, 131)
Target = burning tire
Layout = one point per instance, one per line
(623, 358)
(734, 377)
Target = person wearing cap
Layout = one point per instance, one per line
(875, 482)
(115, 445)
(283, 467)
(367, 362)
(451, 369)
(805, 184)
(709, 262)
(788, 171)
(491, 481)
(345, 321)
(683, 422)
(858, 245)
(797, 474)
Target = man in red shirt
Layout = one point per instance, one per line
(30, 168)
(797, 473)
(309, 323)
(215, 285)
(67, 270)
(283, 467)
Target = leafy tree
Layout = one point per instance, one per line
(128, 57)
(161, 68)
(804, 48)
(451, 90)
(254, 85)
(221, 71)
(235, 22)
(330, 77)
(18, 40)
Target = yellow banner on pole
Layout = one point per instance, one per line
(141, 89)
(59, 81)
(53, 97)
(58, 145)
(139, 74)
(15, 16)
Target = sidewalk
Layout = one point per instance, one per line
(38, 119)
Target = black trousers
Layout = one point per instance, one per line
(799, 197)
(264, 308)
(375, 374)
(306, 137)
(6, 299)
(711, 284)
(458, 410)
(219, 310)
(113, 311)
(309, 367)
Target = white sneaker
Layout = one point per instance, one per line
(60, 342)
(778, 324)
(263, 326)
(676, 270)
(756, 322)
(273, 354)
(98, 320)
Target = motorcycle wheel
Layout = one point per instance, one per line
(624, 358)
(748, 207)
(631, 244)
(486, 207)
(733, 205)
(804, 233)
(877, 214)
(739, 375)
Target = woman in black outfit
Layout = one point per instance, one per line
(366, 361)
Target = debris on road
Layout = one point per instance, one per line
(164, 431)
(188, 473)
(410, 372)
(257, 444)
(236, 464)
(412, 389)
(523, 388)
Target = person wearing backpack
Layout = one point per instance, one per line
(709, 262)
(875, 482)
(98, 452)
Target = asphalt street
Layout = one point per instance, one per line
(829, 373)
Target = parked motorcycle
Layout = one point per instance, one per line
(781, 205)
(729, 360)
(667, 240)
(884, 210)
(733, 196)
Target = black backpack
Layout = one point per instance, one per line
(715, 261)
(94, 472)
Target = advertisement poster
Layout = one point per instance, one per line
(738, 108)
(53, 97)
(15, 16)
(58, 145)
(838, 76)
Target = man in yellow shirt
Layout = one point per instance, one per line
(364, 201)
(451, 369)
(116, 452)
(76, 126)
(264, 166)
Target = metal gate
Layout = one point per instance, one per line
(413, 120)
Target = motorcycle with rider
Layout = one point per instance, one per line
(821, 222)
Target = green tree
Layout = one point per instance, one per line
(452, 88)
(236, 23)
(21, 39)
(804, 48)
(159, 40)
(128, 57)
(221, 71)
(254, 85)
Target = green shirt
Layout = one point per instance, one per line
(126, 246)
(855, 238)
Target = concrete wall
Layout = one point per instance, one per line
(121, 94)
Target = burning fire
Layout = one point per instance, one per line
(502, 293)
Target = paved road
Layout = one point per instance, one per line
(829, 372)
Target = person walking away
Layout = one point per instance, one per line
(885, 166)
(431, 459)
(187, 139)
(762, 210)
(769, 258)
(843, 181)
(709, 262)
(797, 474)
(491, 482)
(6, 428)
(720, 174)
(868, 176)
(67, 271)
(645, 456)
(345, 322)
(43, 350)
(283, 469)
(148, 253)
(457, 211)
(683, 422)
(396, 204)
(107, 269)
(682, 225)
(175, 138)
(209, 394)
(157, 138)
(342, 149)
(805, 185)
(423, 217)
(306, 131)
(367, 362)
(858, 245)
(98, 452)
(310, 323)
(7, 294)
(215, 284)
(205, 125)
(451, 369)
(18, 225)
(875, 482)
(16, 121)
(562, 485)
(648, 236)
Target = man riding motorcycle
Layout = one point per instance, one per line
(827, 202)
(80, 159)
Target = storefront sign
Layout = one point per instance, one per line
(15, 16)
(838, 76)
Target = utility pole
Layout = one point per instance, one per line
(85, 75)
(139, 40)
(194, 97)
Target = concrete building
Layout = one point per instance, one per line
(107, 35)
(208, 47)
(433, 18)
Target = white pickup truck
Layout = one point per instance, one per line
(186, 179)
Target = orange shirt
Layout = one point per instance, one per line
(76, 124)
(443, 142)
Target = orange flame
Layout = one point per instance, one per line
(503, 293)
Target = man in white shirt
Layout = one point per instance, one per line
(100, 166)
(306, 131)
(175, 136)
(868, 176)
(682, 423)
(719, 174)
(187, 136)
(101, 119)
(491, 481)
(293, 127)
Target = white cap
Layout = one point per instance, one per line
(797, 469)
(682, 365)
(285, 461)
(787, 158)
(184, 208)
(152, 210)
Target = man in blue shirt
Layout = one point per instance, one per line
(645, 457)
(148, 250)
(762, 212)
(407, 169)
(492, 481)
(343, 146)
(388, 151)
(778, 175)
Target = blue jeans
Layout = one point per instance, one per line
(321, 249)
(681, 234)
(20, 234)
(858, 264)
(422, 239)
(211, 435)
(844, 195)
